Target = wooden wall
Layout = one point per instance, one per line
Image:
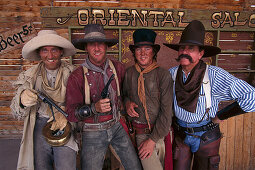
(237, 147)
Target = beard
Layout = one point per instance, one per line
(184, 56)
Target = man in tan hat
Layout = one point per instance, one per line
(198, 90)
(148, 100)
(49, 76)
(93, 98)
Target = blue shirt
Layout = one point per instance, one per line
(224, 86)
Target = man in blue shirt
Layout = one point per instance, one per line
(198, 89)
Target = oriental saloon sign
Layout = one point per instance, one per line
(159, 18)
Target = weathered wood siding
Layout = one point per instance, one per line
(237, 147)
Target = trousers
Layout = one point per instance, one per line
(156, 160)
(205, 158)
(47, 156)
(96, 143)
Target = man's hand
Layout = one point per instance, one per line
(146, 148)
(130, 108)
(28, 98)
(216, 120)
(103, 105)
(59, 123)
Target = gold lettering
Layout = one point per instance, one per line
(227, 20)
(83, 17)
(216, 22)
(170, 15)
(96, 13)
(143, 22)
(181, 24)
(123, 21)
(252, 24)
(239, 23)
(156, 13)
(111, 21)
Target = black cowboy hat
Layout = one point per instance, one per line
(93, 33)
(194, 34)
(144, 37)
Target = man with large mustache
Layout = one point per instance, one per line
(198, 89)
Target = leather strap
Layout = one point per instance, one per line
(206, 127)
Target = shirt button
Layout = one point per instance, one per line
(90, 84)
(94, 95)
(94, 72)
(87, 74)
(110, 70)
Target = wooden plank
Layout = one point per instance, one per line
(7, 118)
(223, 145)
(10, 67)
(247, 140)
(252, 148)
(7, 123)
(25, 2)
(56, 17)
(5, 103)
(10, 62)
(238, 156)
(9, 78)
(6, 85)
(8, 73)
(230, 144)
(5, 108)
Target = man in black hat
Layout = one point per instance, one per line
(198, 90)
(93, 98)
(148, 99)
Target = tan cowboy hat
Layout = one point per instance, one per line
(47, 38)
(194, 34)
(94, 33)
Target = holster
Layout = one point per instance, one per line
(206, 158)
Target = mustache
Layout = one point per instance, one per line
(184, 56)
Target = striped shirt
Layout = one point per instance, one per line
(224, 86)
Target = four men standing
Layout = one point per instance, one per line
(93, 95)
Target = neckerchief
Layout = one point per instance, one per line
(141, 89)
(56, 93)
(187, 93)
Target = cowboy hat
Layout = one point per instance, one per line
(93, 33)
(194, 34)
(144, 37)
(47, 38)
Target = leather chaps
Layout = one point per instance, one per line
(206, 158)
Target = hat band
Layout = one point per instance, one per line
(95, 35)
(193, 42)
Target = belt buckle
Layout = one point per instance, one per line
(190, 130)
(147, 131)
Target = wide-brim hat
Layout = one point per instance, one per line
(47, 38)
(194, 34)
(93, 33)
(143, 37)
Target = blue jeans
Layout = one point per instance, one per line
(47, 156)
(191, 141)
(96, 143)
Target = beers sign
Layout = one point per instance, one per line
(16, 37)
(119, 17)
